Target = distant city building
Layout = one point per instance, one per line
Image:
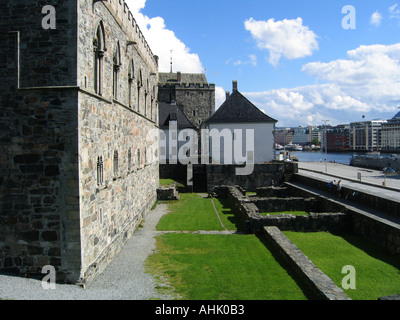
(281, 136)
(314, 134)
(390, 134)
(338, 138)
(300, 136)
(366, 135)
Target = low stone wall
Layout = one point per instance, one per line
(371, 227)
(249, 212)
(333, 222)
(321, 286)
(263, 175)
(270, 192)
(286, 204)
(374, 229)
(167, 193)
(176, 172)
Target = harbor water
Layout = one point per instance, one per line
(317, 156)
(308, 156)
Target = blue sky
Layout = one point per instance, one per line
(293, 59)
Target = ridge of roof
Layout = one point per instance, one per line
(237, 108)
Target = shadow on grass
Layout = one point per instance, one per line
(371, 249)
(310, 295)
(240, 224)
(233, 216)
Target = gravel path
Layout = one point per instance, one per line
(124, 278)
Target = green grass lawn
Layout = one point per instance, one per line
(296, 213)
(216, 267)
(168, 182)
(193, 212)
(377, 273)
(240, 267)
(221, 267)
(190, 213)
(228, 216)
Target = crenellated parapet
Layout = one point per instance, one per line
(203, 86)
(127, 22)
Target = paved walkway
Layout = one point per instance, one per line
(371, 180)
(374, 177)
(123, 279)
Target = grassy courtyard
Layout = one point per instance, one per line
(216, 266)
(219, 266)
(377, 273)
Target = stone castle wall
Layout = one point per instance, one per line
(38, 140)
(53, 129)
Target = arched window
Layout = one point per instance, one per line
(131, 76)
(129, 159)
(116, 67)
(146, 92)
(153, 96)
(139, 86)
(100, 168)
(99, 48)
(116, 169)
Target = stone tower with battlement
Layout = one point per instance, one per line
(190, 91)
(78, 135)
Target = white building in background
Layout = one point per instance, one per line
(240, 132)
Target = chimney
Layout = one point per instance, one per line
(235, 86)
(179, 76)
(227, 94)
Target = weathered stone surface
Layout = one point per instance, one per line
(318, 282)
(249, 209)
(169, 193)
(53, 128)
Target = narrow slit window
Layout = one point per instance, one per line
(100, 171)
(116, 169)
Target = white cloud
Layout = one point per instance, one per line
(366, 83)
(220, 96)
(394, 11)
(376, 19)
(370, 72)
(252, 60)
(286, 38)
(162, 41)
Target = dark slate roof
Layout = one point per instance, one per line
(165, 78)
(168, 111)
(397, 116)
(237, 108)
